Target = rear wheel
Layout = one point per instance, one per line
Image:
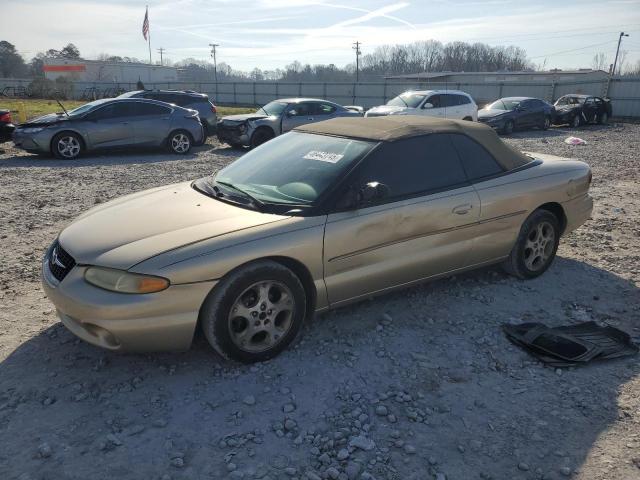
(180, 142)
(261, 136)
(508, 127)
(254, 313)
(546, 123)
(67, 145)
(535, 247)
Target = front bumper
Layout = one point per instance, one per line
(232, 135)
(162, 321)
(563, 118)
(32, 142)
(496, 124)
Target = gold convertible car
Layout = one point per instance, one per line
(325, 215)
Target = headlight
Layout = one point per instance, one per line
(31, 130)
(124, 282)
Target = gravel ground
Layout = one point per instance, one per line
(420, 384)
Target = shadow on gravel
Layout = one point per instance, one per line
(454, 389)
(113, 157)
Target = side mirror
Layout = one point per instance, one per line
(372, 191)
(428, 105)
(292, 113)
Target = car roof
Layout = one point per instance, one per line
(392, 128)
(143, 100)
(519, 99)
(428, 92)
(577, 95)
(301, 99)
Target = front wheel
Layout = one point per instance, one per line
(67, 146)
(254, 313)
(575, 121)
(535, 247)
(261, 136)
(180, 142)
(508, 127)
(546, 123)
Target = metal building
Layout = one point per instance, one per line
(99, 71)
(554, 76)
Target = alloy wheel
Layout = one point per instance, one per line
(180, 143)
(68, 147)
(261, 316)
(539, 246)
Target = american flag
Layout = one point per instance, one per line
(145, 24)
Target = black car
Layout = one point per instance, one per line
(576, 110)
(183, 98)
(6, 126)
(510, 113)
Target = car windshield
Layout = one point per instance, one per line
(503, 104)
(409, 99)
(570, 101)
(273, 108)
(295, 168)
(86, 107)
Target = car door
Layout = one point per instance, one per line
(151, 123)
(110, 126)
(501, 196)
(297, 114)
(419, 230)
(451, 107)
(432, 107)
(590, 109)
(526, 114)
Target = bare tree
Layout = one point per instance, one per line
(599, 62)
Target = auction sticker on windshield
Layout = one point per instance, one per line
(323, 156)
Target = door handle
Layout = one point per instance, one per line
(462, 209)
(310, 118)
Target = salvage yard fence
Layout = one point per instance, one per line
(623, 91)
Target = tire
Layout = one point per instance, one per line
(67, 146)
(261, 136)
(575, 121)
(180, 142)
(245, 297)
(468, 119)
(508, 127)
(535, 247)
(603, 119)
(546, 123)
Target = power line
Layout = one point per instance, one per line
(215, 63)
(573, 50)
(161, 51)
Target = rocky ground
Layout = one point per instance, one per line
(416, 385)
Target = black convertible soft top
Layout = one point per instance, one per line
(397, 127)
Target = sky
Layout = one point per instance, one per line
(273, 33)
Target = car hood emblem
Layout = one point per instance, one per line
(55, 260)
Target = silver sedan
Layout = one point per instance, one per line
(111, 123)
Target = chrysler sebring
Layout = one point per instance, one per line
(324, 215)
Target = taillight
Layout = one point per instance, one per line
(213, 108)
(5, 117)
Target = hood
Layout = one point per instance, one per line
(485, 114)
(387, 110)
(243, 117)
(565, 108)
(128, 230)
(48, 119)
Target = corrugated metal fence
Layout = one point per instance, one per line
(623, 91)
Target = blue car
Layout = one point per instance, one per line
(516, 113)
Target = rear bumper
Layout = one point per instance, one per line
(162, 321)
(6, 131)
(578, 211)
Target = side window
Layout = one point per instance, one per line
(112, 111)
(477, 162)
(463, 100)
(323, 109)
(590, 102)
(449, 100)
(412, 166)
(435, 100)
(300, 109)
(141, 108)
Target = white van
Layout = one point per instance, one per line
(432, 103)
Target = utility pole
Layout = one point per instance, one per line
(215, 63)
(615, 63)
(356, 47)
(161, 51)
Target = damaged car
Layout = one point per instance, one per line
(516, 113)
(278, 117)
(575, 110)
(328, 214)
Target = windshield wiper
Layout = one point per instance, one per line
(259, 205)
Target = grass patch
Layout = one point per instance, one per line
(36, 107)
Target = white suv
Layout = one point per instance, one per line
(433, 103)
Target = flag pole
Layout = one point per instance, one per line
(149, 35)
